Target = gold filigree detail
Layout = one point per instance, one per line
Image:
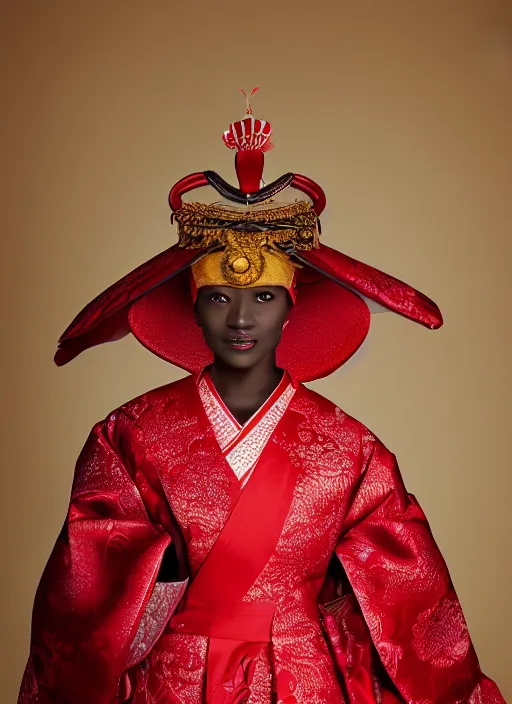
(246, 235)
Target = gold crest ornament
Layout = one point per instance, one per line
(251, 239)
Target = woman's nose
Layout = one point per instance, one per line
(240, 315)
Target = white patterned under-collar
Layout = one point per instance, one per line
(242, 445)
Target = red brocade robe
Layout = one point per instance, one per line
(282, 561)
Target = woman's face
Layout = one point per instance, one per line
(242, 326)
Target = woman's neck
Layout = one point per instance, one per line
(244, 391)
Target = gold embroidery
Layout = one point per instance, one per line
(247, 237)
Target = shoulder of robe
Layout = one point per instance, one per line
(370, 442)
(150, 404)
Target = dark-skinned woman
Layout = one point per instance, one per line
(234, 536)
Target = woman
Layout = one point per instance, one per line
(233, 536)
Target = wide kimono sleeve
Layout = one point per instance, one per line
(93, 597)
(405, 593)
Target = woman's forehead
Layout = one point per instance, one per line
(241, 289)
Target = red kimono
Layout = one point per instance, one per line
(304, 573)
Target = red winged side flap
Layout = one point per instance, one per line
(96, 584)
(405, 593)
(105, 319)
(378, 286)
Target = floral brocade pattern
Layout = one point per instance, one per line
(441, 634)
(153, 475)
(198, 484)
(174, 672)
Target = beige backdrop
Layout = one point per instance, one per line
(401, 110)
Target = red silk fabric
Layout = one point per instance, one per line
(213, 605)
(153, 473)
(376, 285)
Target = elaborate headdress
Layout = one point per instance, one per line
(246, 237)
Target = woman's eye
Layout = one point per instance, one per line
(218, 298)
(264, 296)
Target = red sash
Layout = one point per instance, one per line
(213, 603)
(242, 549)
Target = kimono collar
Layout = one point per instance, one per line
(204, 382)
(242, 444)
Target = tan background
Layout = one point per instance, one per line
(402, 110)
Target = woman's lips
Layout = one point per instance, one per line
(241, 343)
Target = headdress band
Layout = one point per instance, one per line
(251, 240)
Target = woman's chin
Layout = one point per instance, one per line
(244, 359)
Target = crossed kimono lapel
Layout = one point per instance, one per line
(242, 445)
(245, 544)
